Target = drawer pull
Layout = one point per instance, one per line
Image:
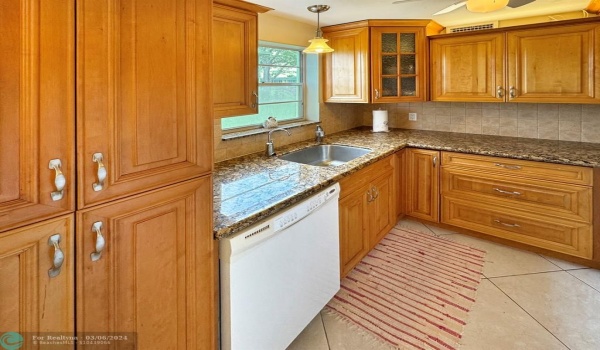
(506, 224)
(98, 158)
(507, 192)
(511, 167)
(59, 257)
(100, 242)
(59, 179)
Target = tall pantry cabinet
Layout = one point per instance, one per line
(146, 260)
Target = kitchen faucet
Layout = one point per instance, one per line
(320, 134)
(270, 151)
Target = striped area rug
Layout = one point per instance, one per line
(412, 291)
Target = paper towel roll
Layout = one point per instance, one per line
(380, 121)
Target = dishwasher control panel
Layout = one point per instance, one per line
(304, 209)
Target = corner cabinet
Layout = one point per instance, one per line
(422, 174)
(539, 63)
(377, 61)
(235, 57)
(367, 210)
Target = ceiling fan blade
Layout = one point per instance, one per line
(518, 3)
(451, 8)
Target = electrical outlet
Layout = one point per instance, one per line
(412, 116)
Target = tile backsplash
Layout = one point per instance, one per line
(567, 122)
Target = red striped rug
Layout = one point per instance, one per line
(412, 291)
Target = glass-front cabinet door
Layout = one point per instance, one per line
(398, 66)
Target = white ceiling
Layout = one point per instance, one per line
(343, 11)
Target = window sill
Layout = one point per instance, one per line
(247, 133)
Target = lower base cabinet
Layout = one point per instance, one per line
(367, 210)
(422, 183)
(37, 279)
(146, 268)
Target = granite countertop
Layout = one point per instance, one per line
(251, 188)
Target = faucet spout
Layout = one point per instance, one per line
(270, 148)
(319, 134)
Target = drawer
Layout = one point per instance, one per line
(547, 198)
(564, 236)
(362, 177)
(520, 168)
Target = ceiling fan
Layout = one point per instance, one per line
(484, 5)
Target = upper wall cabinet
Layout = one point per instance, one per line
(37, 114)
(235, 57)
(143, 113)
(378, 61)
(541, 63)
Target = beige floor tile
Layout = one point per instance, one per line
(312, 337)
(501, 260)
(561, 303)
(440, 231)
(497, 323)
(342, 336)
(413, 224)
(589, 276)
(565, 265)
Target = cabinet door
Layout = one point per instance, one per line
(354, 235)
(31, 300)
(382, 208)
(36, 110)
(555, 64)
(468, 68)
(235, 52)
(423, 185)
(398, 70)
(346, 70)
(149, 267)
(143, 83)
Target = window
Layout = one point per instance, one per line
(280, 88)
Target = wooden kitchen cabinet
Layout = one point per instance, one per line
(367, 211)
(547, 63)
(347, 68)
(235, 57)
(377, 61)
(540, 204)
(468, 68)
(143, 106)
(155, 273)
(34, 295)
(422, 174)
(36, 111)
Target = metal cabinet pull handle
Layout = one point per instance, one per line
(511, 167)
(505, 224)
(513, 92)
(100, 242)
(507, 192)
(255, 99)
(59, 179)
(58, 258)
(376, 94)
(434, 161)
(98, 158)
(499, 91)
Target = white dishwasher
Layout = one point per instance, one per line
(278, 274)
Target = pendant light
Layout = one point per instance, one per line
(318, 44)
(482, 6)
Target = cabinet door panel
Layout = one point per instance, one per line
(469, 68)
(423, 187)
(36, 109)
(553, 64)
(235, 50)
(31, 300)
(382, 209)
(347, 68)
(142, 79)
(354, 235)
(156, 274)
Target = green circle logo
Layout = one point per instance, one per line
(11, 341)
